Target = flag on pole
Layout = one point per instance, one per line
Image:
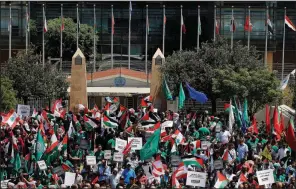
(113, 23)
(290, 23)
(267, 119)
(181, 97)
(40, 144)
(232, 25)
(269, 26)
(222, 181)
(248, 24)
(130, 9)
(164, 20)
(28, 21)
(217, 29)
(166, 90)
(199, 26)
(231, 117)
(147, 26)
(183, 25)
(9, 24)
(196, 95)
(11, 119)
(151, 146)
(284, 82)
(45, 24)
(290, 136)
(63, 24)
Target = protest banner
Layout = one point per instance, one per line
(58, 170)
(167, 124)
(23, 110)
(91, 160)
(204, 145)
(107, 154)
(42, 165)
(4, 183)
(120, 144)
(218, 164)
(265, 177)
(136, 144)
(118, 156)
(175, 160)
(196, 179)
(69, 178)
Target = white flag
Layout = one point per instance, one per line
(231, 117)
(284, 82)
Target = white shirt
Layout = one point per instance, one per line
(282, 153)
(224, 136)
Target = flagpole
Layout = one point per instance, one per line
(284, 36)
(232, 23)
(181, 28)
(198, 26)
(43, 49)
(27, 27)
(163, 30)
(77, 32)
(61, 45)
(215, 15)
(112, 28)
(95, 53)
(129, 37)
(266, 34)
(10, 31)
(146, 43)
(249, 28)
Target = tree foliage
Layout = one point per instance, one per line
(30, 79)
(201, 68)
(7, 95)
(52, 38)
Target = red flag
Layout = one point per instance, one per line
(282, 124)
(290, 136)
(232, 25)
(267, 119)
(217, 27)
(164, 20)
(63, 25)
(128, 147)
(183, 25)
(248, 24)
(276, 123)
(93, 182)
(113, 23)
(254, 123)
(290, 23)
(225, 156)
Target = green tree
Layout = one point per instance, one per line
(30, 79)
(199, 67)
(52, 38)
(7, 95)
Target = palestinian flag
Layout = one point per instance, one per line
(226, 156)
(227, 107)
(107, 122)
(66, 167)
(147, 121)
(129, 131)
(128, 123)
(122, 111)
(89, 124)
(221, 181)
(193, 161)
(63, 145)
(242, 179)
(76, 123)
(27, 159)
(154, 128)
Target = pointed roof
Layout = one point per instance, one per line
(78, 53)
(158, 53)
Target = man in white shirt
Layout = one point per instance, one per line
(282, 151)
(224, 135)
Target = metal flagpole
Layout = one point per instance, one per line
(129, 36)
(43, 48)
(181, 28)
(215, 21)
(95, 53)
(112, 29)
(284, 36)
(266, 34)
(27, 27)
(232, 22)
(61, 45)
(77, 32)
(146, 43)
(10, 31)
(163, 29)
(198, 26)
(249, 29)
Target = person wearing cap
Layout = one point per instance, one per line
(128, 173)
(114, 178)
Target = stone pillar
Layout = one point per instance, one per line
(78, 85)
(158, 98)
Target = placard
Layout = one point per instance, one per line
(196, 179)
(91, 160)
(113, 108)
(118, 156)
(167, 124)
(175, 160)
(218, 164)
(4, 183)
(137, 143)
(265, 177)
(42, 165)
(107, 154)
(23, 110)
(204, 144)
(120, 144)
(83, 144)
(69, 178)
(58, 170)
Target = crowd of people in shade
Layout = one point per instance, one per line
(198, 136)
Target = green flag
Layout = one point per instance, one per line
(237, 115)
(151, 146)
(17, 161)
(40, 146)
(181, 97)
(245, 112)
(166, 90)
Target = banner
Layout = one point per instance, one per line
(69, 178)
(167, 124)
(265, 177)
(120, 144)
(91, 160)
(107, 154)
(23, 110)
(196, 179)
(137, 143)
(42, 165)
(118, 156)
(218, 164)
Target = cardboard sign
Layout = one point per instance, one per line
(204, 145)
(196, 179)
(167, 124)
(23, 110)
(118, 156)
(69, 178)
(107, 154)
(58, 170)
(91, 160)
(265, 177)
(120, 144)
(175, 160)
(218, 164)
(137, 143)
(42, 165)
(4, 183)
(83, 144)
